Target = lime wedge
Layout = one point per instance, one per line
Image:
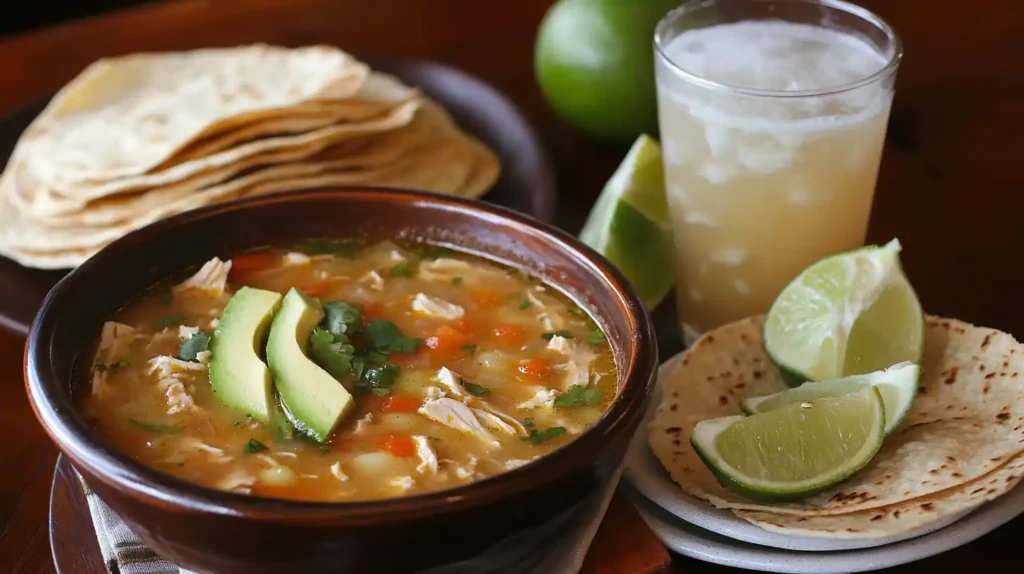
(796, 449)
(847, 314)
(629, 222)
(897, 385)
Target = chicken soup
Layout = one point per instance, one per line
(335, 371)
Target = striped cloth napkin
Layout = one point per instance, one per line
(124, 553)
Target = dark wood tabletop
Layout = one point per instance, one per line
(949, 187)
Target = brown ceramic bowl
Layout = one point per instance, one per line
(501, 519)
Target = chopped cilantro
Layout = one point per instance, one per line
(563, 333)
(382, 375)
(324, 246)
(121, 363)
(189, 350)
(168, 321)
(334, 356)
(381, 391)
(324, 448)
(456, 280)
(578, 311)
(341, 318)
(166, 298)
(474, 389)
(525, 304)
(237, 423)
(156, 428)
(579, 396)
(253, 446)
(528, 423)
(469, 349)
(597, 337)
(537, 437)
(403, 270)
(383, 335)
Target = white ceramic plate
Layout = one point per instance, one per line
(689, 540)
(645, 473)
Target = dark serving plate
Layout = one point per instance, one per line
(527, 181)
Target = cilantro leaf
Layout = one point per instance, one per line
(563, 333)
(381, 391)
(525, 304)
(597, 337)
(334, 356)
(168, 321)
(579, 396)
(528, 423)
(381, 375)
(383, 335)
(253, 446)
(403, 270)
(537, 437)
(456, 280)
(341, 318)
(156, 428)
(578, 311)
(189, 350)
(469, 349)
(474, 389)
(324, 246)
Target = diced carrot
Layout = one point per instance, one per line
(535, 368)
(397, 444)
(511, 335)
(249, 263)
(316, 289)
(371, 311)
(446, 339)
(487, 297)
(401, 404)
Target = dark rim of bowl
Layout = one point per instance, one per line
(59, 417)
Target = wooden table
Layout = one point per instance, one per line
(947, 187)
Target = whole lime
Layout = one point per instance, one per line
(594, 62)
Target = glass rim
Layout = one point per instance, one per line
(857, 11)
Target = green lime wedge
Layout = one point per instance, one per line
(629, 222)
(897, 385)
(794, 450)
(848, 314)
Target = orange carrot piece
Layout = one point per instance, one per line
(535, 368)
(249, 263)
(316, 289)
(446, 339)
(397, 444)
(511, 335)
(487, 297)
(401, 404)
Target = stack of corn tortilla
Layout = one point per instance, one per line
(135, 139)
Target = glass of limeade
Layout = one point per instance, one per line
(772, 117)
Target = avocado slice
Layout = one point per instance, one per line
(313, 400)
(238, 375)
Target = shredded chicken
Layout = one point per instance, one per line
(166, 366)
(186, 332)
(499, 421)
(178, 399)
(517, 462)
(363, 423)
(458, 416)
(560, 344)
(204, 357)
(542, 398)
(338, 473)
(188, 445)
(212, 278)
(115, 339)
(436, 307)
(402, 483)
(577, 369)
(442, 269)
(464, 472)
(427, 456)
(237, 481)
(373, 280)
(434, 393)
(450, 381)
(294, 258)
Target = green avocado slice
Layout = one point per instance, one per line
(313, 400)
(237, 373)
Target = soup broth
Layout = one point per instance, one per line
(457, 370)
